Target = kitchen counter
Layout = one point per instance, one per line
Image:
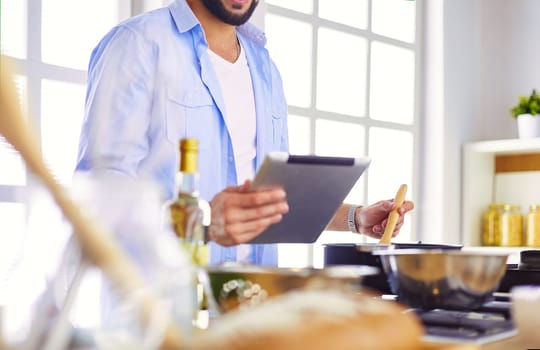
(449, 347)
(512, 343)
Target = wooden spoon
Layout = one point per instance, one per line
(393, 216)
(96, 243)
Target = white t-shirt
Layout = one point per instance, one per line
(240, 118)
(237, 90)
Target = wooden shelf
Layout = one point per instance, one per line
(479, 187)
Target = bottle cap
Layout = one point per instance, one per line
(189, 148)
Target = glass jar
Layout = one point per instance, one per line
(491, 234)
(532, 227)
(511, 226)
(503, 225)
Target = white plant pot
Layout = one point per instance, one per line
(528, 126)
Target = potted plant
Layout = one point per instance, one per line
(525, 112)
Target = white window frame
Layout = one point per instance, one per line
(312, 254)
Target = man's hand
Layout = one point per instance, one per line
(372, 220)
(238, 215)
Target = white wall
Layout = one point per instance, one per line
(491, 55)
(461, 50)
(512, 63)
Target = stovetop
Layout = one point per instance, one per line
(488, 324)
(517, 274)
(493, 321)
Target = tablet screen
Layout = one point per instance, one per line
(315, 186)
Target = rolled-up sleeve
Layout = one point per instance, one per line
(121, 77)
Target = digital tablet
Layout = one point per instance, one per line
(315, 186)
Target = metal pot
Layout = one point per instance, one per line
(438, 279)
(362, 254)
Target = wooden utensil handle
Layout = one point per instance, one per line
(394, 215)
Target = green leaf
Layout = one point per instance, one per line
(527, 105)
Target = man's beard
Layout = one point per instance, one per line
(217, 9)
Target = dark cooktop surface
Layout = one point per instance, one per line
(490, 323)
(527, 272)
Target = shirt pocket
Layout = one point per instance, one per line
(190, 113)
(279, 114)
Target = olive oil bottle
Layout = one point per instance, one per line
(185, 210)
(187, 216)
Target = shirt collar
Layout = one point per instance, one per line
(182, 15)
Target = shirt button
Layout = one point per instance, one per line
(230, 159)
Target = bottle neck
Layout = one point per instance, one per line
(187, 183)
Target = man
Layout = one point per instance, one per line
(197, 69)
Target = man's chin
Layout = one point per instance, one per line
(232, 16)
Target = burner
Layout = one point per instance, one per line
(490, 323)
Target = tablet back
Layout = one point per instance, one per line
(315, 185)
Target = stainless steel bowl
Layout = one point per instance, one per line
(362, 254)
(450, 279)
(231, 286)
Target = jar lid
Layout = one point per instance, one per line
(534, 207)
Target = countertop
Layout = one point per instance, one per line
(512, 343)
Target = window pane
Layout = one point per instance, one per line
(13, 28)
(341, 140)
(305, 6)
(13, 170)
(62, 111)
(71, 29)
(154, 4)
(392, 83)
(350, 12)
(395, 19)
(341, 78)
(12, 228)
(294, 255)
(390, 167)
(292, 57)
(299, 134)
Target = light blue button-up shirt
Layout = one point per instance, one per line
(151, 83)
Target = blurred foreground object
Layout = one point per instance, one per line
(96, 243)
(236, 285)
(525, 306)
(316, 320)
(185, 211)
(186, 214)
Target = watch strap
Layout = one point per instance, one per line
(351, 219)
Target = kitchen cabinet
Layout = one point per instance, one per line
(497, 171)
